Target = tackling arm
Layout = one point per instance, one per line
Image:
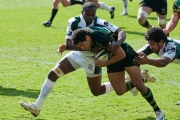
(159, 62)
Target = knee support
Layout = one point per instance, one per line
(161, 21)
(142, 12)
(58, 71)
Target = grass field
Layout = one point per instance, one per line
(28, 51)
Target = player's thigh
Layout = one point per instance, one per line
(117, 80)
(65, 65)
(161, 16)
(65, 3)
(146, 9)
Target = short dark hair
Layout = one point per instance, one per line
(88, 5)
(79, 35)
(156, 34)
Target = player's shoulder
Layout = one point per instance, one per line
(75, 19)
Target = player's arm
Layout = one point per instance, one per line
(159, 62)
(121, 38)
(117, 56)
(69, 46)
(171, 24)
(113, 28)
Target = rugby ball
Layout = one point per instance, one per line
(103, 55)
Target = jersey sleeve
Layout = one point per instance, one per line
(69, 28)
(146, 49)
(104, 23)
(176, 8)
(170, 52)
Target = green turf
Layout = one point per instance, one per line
(28, 51)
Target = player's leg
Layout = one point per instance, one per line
(96, 87)
(136, 78)
(66, 3)
(102, 5)
(65, 66)
(162, 21)
(125, 7)
(116, 75)
(53, 13)
(161, 12)
(143, 13)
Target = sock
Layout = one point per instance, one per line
(125, 6)
(146, 24)
(129, 85)
(108, 86)
(73, 2)
(53, 14)
(46, 89)
(149, 97)
(104, 6)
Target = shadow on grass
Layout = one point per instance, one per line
(135, 33)
(149, 17)
(30, 93)
(147, 118)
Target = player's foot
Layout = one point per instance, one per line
(130, 0)
(47, 24)
(31, 108)
(124, 14)
(178, 103)
(134, 91)
(112, 12)
(159, 115)
(146, 77)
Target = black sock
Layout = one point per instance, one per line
(73, 2)
(146, 24)
(129, 85)
(149, 97)
(53, 14)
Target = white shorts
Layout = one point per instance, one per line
(84, 59)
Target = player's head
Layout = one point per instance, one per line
(88, 12)
(156, 38)
(81, 38)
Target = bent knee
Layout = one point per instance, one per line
(119, 93)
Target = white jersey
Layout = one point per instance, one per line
(170, 49)
(79, 22)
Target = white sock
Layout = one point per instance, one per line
(45, 90)
(125, 6)
(104, 6)
(108, 86)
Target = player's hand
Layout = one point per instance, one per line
(98, 63)
(166, 31)
(113, 48)
(61, 49)
(142, 58)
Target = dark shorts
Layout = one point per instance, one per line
(128, 61)
(159, 6)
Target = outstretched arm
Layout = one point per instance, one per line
(159, 62)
